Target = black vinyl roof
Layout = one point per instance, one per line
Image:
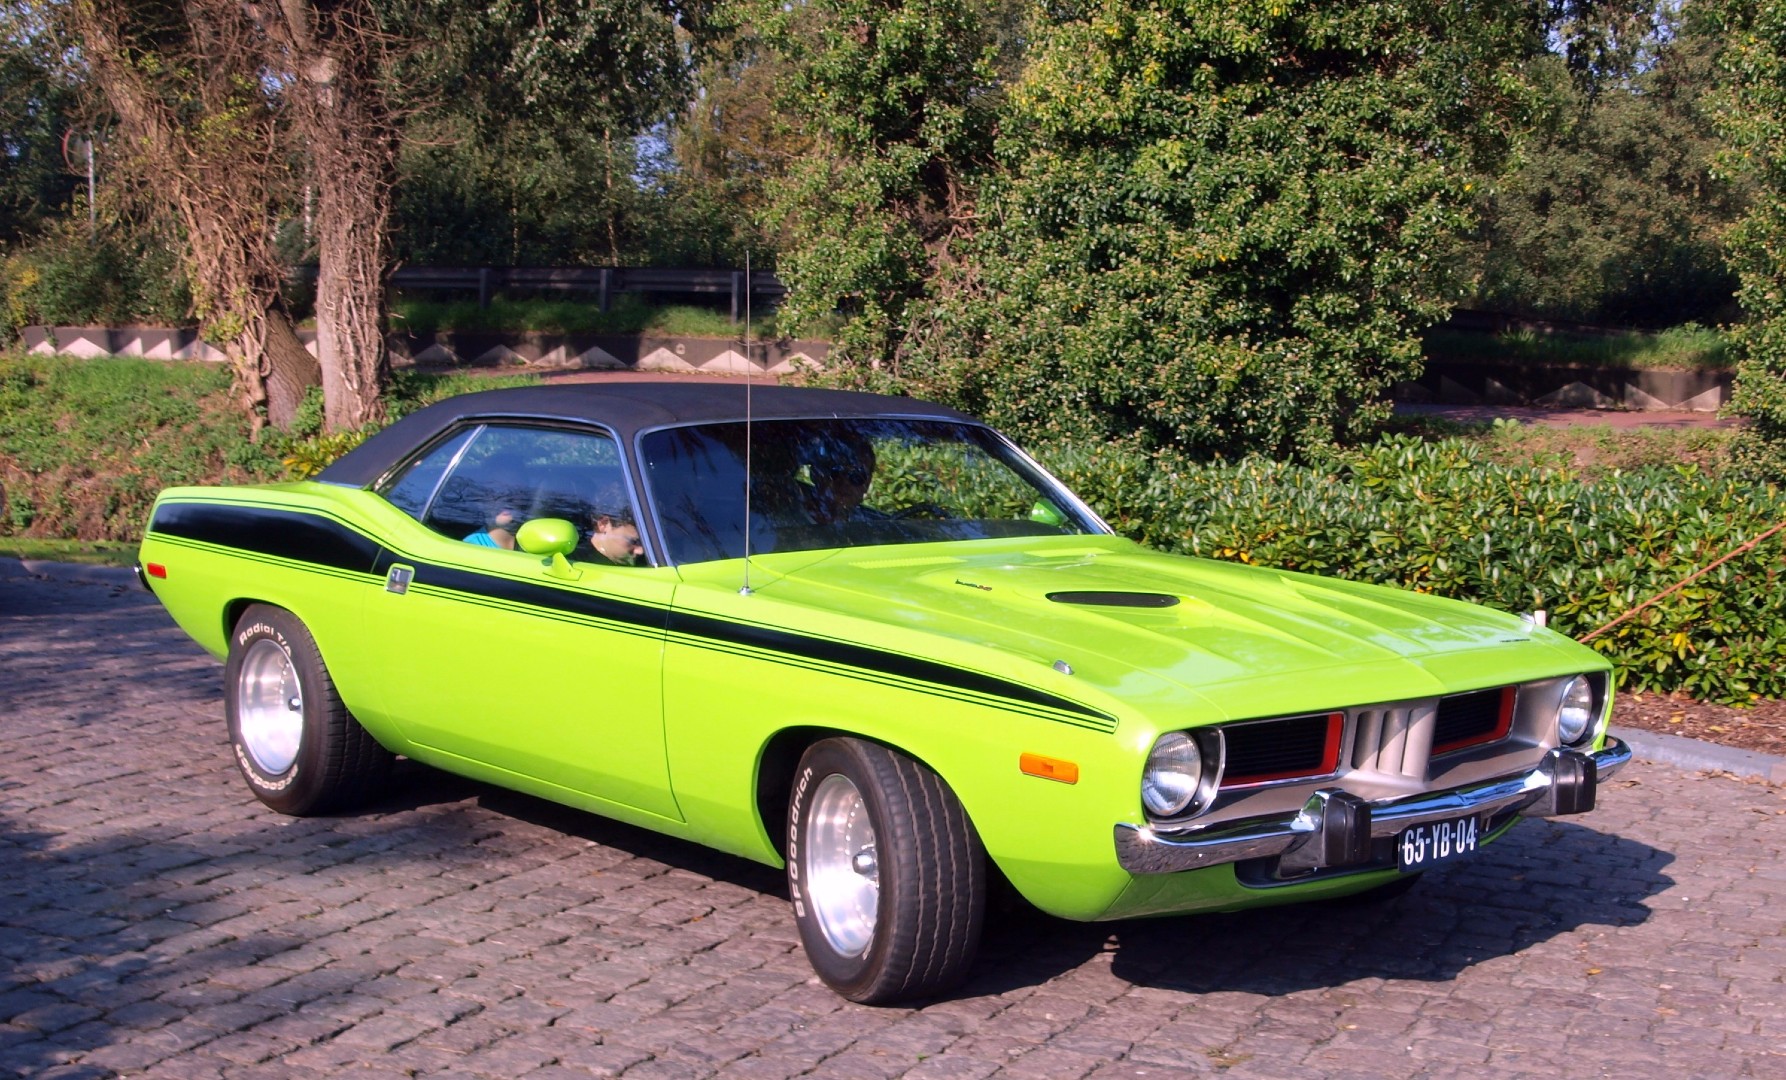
(626, 408)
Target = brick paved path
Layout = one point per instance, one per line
(154, 920)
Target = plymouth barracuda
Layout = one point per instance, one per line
(867, 639)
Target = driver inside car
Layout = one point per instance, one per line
(616, 539)
(839, 469)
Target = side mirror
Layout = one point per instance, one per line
(547, 536)
(1045, 513)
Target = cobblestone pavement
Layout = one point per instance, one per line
(156, 921)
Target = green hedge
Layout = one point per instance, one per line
(1436, 517)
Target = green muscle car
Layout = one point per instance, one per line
(869, 639)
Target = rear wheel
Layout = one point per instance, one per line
(887, 874)
(296, 744)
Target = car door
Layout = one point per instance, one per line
(506, 660)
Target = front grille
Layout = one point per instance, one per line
(1288, 749)
(1396, 742)
(1473, 719)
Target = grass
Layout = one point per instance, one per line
(1594, 450)
(627, 315)
(1597, 449)
(1691, 347)
(88, 552)
(85, 445)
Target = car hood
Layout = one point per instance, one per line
(1245, 640)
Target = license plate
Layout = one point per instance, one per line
(1421, 846)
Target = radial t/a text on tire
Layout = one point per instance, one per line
(886, 872)
(295, 743)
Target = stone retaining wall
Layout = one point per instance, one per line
(553, 351)
(1449, 381)
(1458, 382)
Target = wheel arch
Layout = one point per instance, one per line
(349, 683)
(233, 610)
(780, 757)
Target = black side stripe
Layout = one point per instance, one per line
(467, 582)
(846, 654)
(286, 534)
(318, 540)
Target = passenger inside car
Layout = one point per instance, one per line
(500, 533)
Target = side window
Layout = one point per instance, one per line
(509, 475)
(412, 489)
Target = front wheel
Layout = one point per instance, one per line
(296, 744)
(886, 872)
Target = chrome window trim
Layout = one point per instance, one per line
(539, 422)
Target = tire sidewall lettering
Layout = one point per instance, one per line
(259, 777)
(245, 635)
(796, 822)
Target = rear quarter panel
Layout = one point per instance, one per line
(302, 547)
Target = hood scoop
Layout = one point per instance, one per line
(1115, 599)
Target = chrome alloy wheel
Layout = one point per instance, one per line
(269, 707)
(843, 878)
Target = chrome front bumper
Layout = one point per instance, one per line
(1335, 828)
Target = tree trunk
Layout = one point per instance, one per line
(290, 369)
(353, 210)
(199, 137)
(351, 136)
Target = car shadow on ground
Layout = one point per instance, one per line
(1543, 879)
(641, 843)
(88, 927)
(1540, 881)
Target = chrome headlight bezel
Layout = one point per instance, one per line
(1578, 712)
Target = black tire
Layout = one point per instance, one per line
(318, 761)
(921, 919)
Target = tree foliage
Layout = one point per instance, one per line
(1612, 213)
(526, 147)
(38, 101)
(1211, 225)
(196, 132)
(898, 102)
(1753, 122)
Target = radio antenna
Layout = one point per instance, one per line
(749, 371)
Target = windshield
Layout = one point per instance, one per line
(844, 483)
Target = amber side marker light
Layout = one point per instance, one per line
(1049, 768)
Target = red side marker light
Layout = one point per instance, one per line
(156, 570)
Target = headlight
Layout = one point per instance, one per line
(1174, 771)
(1575, 716)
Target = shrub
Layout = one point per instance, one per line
(1436, 517)
(1752, 104)
(68, 277)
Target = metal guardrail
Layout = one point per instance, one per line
(604, 281)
